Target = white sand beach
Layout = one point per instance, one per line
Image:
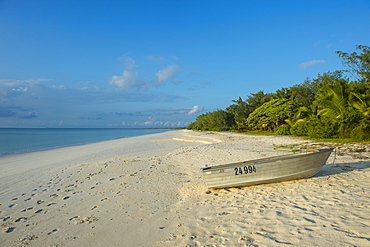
(149, 191)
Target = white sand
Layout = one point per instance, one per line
(149, 191)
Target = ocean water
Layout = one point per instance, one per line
(20, 140)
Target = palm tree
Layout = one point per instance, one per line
(303, 114)
(240, 111)
(334, 99)
(362, 104)
(346, 108)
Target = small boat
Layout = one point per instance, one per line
(267, 170)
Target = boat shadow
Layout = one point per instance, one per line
(338, 168)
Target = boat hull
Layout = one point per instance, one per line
(267, 170)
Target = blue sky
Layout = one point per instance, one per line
(151, 63)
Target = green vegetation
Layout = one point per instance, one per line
(329, 106)
(219, 120)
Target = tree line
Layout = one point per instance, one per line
(333, 105)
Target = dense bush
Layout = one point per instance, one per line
(361, 132)
(282, 130)
(314, 127)
(350, 120)
(321, 128)
(300, 128)
(271, 114)
(219, 120)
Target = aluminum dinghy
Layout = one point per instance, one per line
(267, 170)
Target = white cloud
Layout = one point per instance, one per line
(130, 63)
(169, 72)
(128, 80)
(150, 121)
(195, 109)
(178, 111)
(18, 82)
(21, 89)
(310, 63)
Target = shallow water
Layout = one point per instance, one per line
(20, 140)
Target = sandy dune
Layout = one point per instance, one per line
(149, 191)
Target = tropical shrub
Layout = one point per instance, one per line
(219, 120)
(271, 114)
(361, 132)
(300, 128)
(282, 130)
(321, 128)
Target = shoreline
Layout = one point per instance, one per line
(62, 144)
(149, 191)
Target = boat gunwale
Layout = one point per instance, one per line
(257, 182)
(268, 159)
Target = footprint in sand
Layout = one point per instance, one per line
(6, 218)
(77, 220)
(25, 241)
(26, 209)
(54, 195)
(11, 205)
(14, 199)
(309, 220)
(9, 229)
(65, 198)
(53, 231)
(21, 219)
(40, 201)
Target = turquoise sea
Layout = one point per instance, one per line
(21, 140)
